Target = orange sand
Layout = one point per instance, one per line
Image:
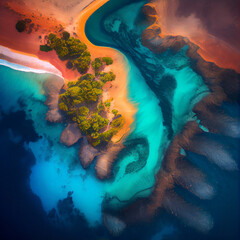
(28, 44)
(119, 67)
(212, 49)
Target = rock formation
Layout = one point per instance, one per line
(105, 160)
(87, 153)
(71, 134)
(52, 88)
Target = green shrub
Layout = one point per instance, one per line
(107, 103)
(87, 76)
(100, 107)
(45, 48)
(96, 64)
(71, 84)
(75, 47)
(65, 35)
(118, 122)
(81, 64)
(52, 37)
(107, 60)
(115, 112)
(21, 26)
(106, 77)
(83, 111)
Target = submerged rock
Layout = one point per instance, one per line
(105, 160)
(71, 134)
(114, 225)
(87, 153)
(52, 88)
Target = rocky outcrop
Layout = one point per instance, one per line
(152, 35)
(87, 153)
(224, 85)
(114, 225)
(52, 88)
(104, 161)
(150, 11)
(71, 134)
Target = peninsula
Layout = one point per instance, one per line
(93, 97)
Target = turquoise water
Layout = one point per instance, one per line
(57, 170)
(149, 125)
(120, 28)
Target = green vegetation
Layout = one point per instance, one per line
(82, 63)
(76, 101)
(100, 107)
(118, 122)
(106, 77)
(71, 49)
(115, 112)
(65, 35)
(107, 103)
(85, 91)
(82, 100)
(21, 26)
(45, 48)
(87, 76)
(97, 64)
(107, 60)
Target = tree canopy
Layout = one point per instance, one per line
(96, 64)
(69, 48)
(106, 77)
(107, 60)
(21, 26)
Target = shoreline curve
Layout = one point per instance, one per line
(120, 67)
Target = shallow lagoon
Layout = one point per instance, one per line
(57, 170)
(119, 28)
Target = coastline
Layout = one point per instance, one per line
(28, 44)
(25, 51)
(211, 48)
(120, 67)
(29, 62)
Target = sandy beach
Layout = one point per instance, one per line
(28, 46)
(118, 89)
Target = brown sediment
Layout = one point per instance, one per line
(87, 153)
(105, 160)
(224, 85)
(211, 48)
(71, 134)
(52, 88)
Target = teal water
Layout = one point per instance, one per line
(57, 170)
(94, 26)
(149, 125)
(120, 28)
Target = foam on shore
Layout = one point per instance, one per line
(26, 63)
(57, 170)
